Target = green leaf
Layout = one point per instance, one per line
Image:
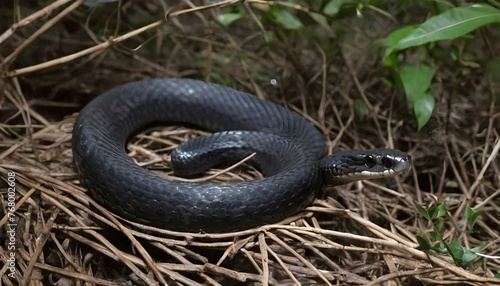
(321, 20)
(227, 18)
(423, 108)
(390, 60)
(439, 211)
(423, 242)
(287, 19)
(456, 251)
(333, 6)
(416, 80)
(424, 212)
(478, 248)
(451, 24)
(439, 246)
(471, 216)
(435, 235)
(470, 254)
(391, 41)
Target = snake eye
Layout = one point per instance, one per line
(387, 162)
(369, 161)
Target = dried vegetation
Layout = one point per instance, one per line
(56, 57)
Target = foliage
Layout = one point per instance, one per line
(447, 23)
(439, 216)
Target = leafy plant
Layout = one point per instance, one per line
(439, 217)
(416, 78)
(230, 15)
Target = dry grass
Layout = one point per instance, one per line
(358, 234)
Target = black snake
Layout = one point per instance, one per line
(288, 152)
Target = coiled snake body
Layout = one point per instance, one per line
(288, 151)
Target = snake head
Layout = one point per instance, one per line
(354, 165)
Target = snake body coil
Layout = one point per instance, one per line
(293, 175)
